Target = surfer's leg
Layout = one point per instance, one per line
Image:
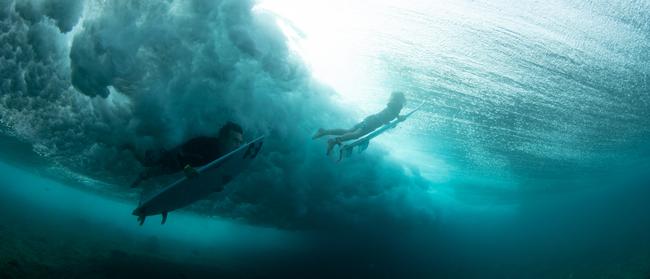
(338, 132)
(167, 164)
(330, 132)
(345, 137)
(144, 175)
(150, 157)
(149, 172)
(351, 135)
(138, 156)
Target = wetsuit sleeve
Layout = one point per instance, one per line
(198, 151)
(195, 146)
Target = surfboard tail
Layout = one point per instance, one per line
(141, 219)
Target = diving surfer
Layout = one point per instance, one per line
(369, 124)
(193, 153)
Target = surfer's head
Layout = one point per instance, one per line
(397, 100)
(231, 136)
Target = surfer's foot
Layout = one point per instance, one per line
(330, 145)
(190, 171)
(319, 133)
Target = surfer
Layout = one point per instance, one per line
(193, 153)
(369, 124)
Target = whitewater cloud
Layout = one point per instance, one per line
(156, 73)
(64, 13)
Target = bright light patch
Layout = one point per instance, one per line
(338, 39)
(331, 38)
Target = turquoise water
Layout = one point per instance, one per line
(529, 158)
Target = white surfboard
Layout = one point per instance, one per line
(361, 144)
(195, 186)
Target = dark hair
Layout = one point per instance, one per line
(230, 126)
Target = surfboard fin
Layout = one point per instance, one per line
(141, 219)
(345, 151)
(363, 145)
(164, 218)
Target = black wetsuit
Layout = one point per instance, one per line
(376, 120)
(195, 152)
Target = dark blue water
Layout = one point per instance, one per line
(529, 158)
